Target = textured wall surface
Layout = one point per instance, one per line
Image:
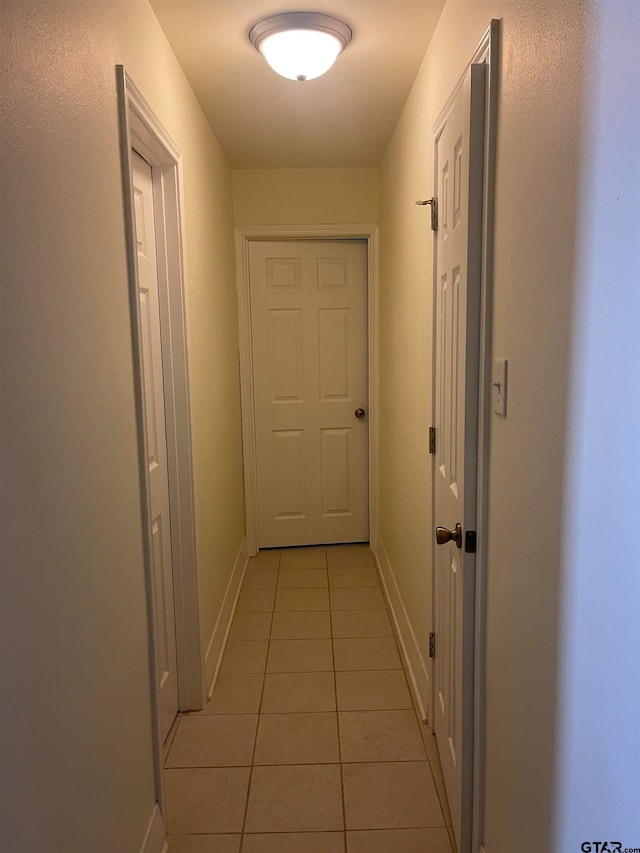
(305, 196)
(598, 784)
(75, 694)
(546, 138)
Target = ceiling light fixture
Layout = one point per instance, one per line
(300, 45)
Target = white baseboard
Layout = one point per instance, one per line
(220, 633)
(155, 841)
(417, 670)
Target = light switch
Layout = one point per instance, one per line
(499, 386)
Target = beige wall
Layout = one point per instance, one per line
(75, 702)
(75, 695)
(305, 196)
(543, 77)
(598, 742)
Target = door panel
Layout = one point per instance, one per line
(309, 342)
(155, 441)
(288, 474)
(333, 350)
(285, 355)
(334, 454)
(459, 164)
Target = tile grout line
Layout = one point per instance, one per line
(335, 693)
(264, 682)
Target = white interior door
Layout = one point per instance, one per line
(155, 443)
(309, 342)
(459, 167)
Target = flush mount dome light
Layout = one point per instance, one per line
(300, 45)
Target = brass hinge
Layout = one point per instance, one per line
(434, 210)
(432, 645)
(432, 439)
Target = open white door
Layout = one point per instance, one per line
(309, 342)
(155, 441)
(459, 154)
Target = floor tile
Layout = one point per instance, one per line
(214, 741)
(301, 625)
(297, 739)
(269, 559)
(294, 842)
(168, 741)
(366, 653)
(295, 799)
(206, 800)
(262, 579)
(390, 796)
(380, 736)
(304, 558)
(298, 691)
(353, 578)
(250, 626)
(256, 600)
(359, 598)
(204, 843)
(303, 579)
(361, 623)
(356, 557)
(436, 770)
(300, 656)
(373, 690)
(245, 656)
(399, 841)
(275, 703)
(302, 599)
(234, 693)
(356, 547)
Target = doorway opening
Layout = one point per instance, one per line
(145, 143)
(247, 241)
(464, 175)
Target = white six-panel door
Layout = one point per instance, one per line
(459, 159)
(155, 444)
(309, 345)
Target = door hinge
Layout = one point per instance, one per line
(434, 210)
(470, 542)
(432, 645)
(432, 439)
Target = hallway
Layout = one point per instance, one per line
(310, 742)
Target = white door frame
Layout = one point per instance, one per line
(244, 235)
(488, 52)
(141, 129)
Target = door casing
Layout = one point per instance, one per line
(488, 52)
(244, 235)
(140, 128)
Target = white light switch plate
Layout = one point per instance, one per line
(499, 386)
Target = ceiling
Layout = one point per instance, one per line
(343, 119)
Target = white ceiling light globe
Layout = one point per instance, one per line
(300, 45)
(301, 54)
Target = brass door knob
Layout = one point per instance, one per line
(359, 413)
(444, 535)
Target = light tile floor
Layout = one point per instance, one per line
(310, 742)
